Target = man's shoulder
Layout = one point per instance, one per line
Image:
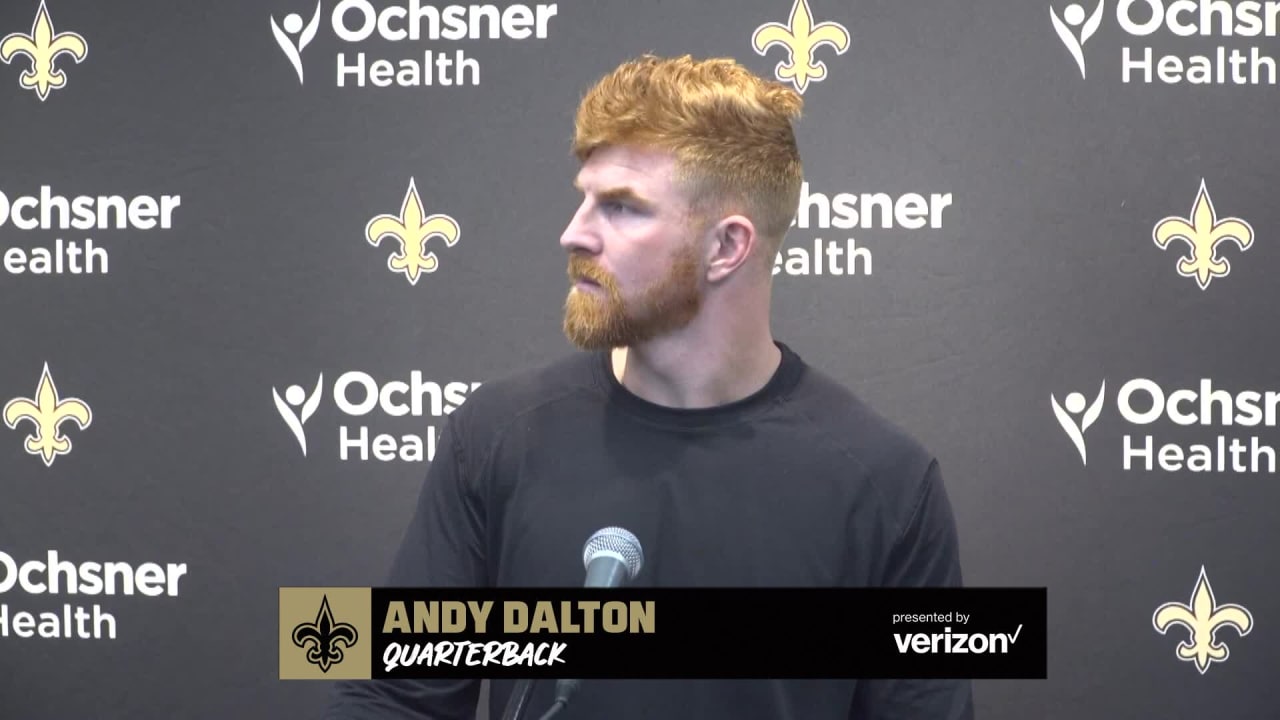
(884, 457)
(505, 397)
(891, 456)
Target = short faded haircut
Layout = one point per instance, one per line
(729, 129)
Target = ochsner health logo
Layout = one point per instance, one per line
(297, 407)
(1075, 30)
(357, 394)
(1165, 23)
(875, 212)
(1075, 407)
(365, 32)
(295, 38)
(1175, 420)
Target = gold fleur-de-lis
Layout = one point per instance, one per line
(46, 411)
(1203, 232)
(412, 231)
(324, 639)
(42, 47)
(1203, 617)
(800, 37)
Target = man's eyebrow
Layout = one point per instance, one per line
(616, 194)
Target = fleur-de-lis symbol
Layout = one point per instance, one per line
(800, 37)
(1203, 617)
(47, 412)
(324, 639)
(412, 231)
(1203, 232)
(42, 47)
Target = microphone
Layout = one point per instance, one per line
(613, 557)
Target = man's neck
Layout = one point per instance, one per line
(674, 372)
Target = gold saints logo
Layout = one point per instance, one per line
(412, 231)
(800, 37)
(331, 650)
(47, 412)
(1203, 232)
(324, 639)
(42, 47)
(1202, 618)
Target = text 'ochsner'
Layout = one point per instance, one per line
(359, 22)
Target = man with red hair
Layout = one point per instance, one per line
(680, 418)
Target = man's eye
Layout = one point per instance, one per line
(613, 206)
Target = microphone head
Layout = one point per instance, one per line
(615, 542)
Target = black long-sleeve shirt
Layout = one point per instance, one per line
(800, 484)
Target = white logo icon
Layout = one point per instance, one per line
(295, 397)
(293, 26)
(1074, 18)
(1075, 405)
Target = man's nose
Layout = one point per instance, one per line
(578, 235)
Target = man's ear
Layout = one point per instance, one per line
(732, 242)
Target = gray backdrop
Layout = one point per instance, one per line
(1044, 279)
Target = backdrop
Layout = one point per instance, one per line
(1039, 235)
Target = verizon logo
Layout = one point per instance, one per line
(949, 643)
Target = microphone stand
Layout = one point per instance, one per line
(607, 566)
(518, 703)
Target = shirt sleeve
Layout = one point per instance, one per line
(443, 546)
(927, 554)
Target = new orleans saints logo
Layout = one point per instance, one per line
(800, 37)
(1203, 232)
(42, 47)
(47, 412)
(324, 639)
(411, 231)
(1202, 618)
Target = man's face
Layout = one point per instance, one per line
(634, 258)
